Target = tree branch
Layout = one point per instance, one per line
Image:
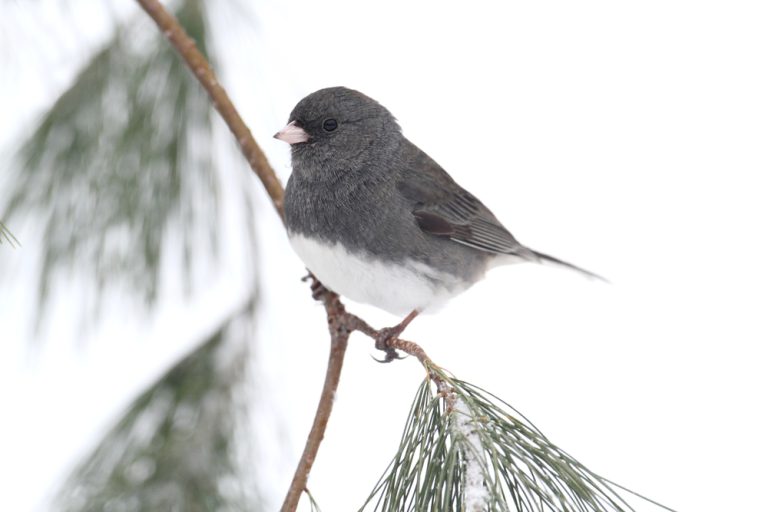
(339, 338)
(340, 322)
(197, 62)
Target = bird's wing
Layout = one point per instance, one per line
(441, 207)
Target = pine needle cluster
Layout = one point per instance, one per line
(465, 449)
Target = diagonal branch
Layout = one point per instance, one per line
(340, 322)
(200, 67)
(339, 337)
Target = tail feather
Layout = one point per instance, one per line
(540, 257)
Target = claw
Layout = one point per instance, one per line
(390, 355)
(388, 334)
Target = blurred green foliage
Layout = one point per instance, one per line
(7, 236)
(120, 176)
(183, 444)
(121, 159)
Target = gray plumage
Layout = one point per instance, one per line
(365, 186)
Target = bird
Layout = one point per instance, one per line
(377, 220)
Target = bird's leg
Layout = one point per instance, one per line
(387, 335)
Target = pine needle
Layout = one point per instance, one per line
(465, 449)
(313, 506)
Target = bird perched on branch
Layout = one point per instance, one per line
(376, 219)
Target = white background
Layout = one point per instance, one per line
(630, 139)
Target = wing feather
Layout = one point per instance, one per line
(443, 208)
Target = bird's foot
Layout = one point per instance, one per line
(388, 335)
(384, 340)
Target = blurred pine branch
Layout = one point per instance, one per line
(120, 176)
(182, 443)
(7, 236)
(122, 159)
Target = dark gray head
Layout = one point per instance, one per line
(338, 127)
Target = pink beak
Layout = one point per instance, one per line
(292, 134)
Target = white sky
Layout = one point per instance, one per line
(626, 138)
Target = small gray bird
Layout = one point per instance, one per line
(376, 219)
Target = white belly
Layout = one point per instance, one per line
(398, 289)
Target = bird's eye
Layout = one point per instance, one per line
(330, 124)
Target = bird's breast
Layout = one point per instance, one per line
(396, 287)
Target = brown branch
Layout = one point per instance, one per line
(339, 338)
(340, 322)
(197, 62)
(340, 318)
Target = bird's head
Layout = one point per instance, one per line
(336, 127)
